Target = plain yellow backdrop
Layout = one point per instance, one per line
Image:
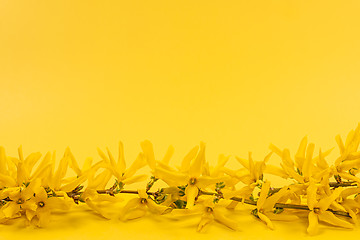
(237, 75)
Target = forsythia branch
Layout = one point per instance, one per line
(31, 187)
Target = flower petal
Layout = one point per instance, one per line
(10, 209)
(44, 164)
(312, 229)
(263, 195)
(61, 171)
(3, 168)
(329, 217)
(224, 220)
(281, 216)
(121, 163)
(58, 203)
(348, 176)
(273, 199)
(293, 174)
(243, 162)
(232, 205)
(73, 184)
(300, 154)
(131, 204)
(156, 208)
(134, 179)
(30, 214)
(111, 158)
(185, 164)
(176, 178)
(275, 149)
(286, 159)
(196, 210)
(135, 213)
(205, 220)
(168, 155)
(100, 180)
(205, 181)
(197, 165)
(222, 160)
(142, 193)
(340, 143)
(22, 173)
(7, 181)
(308, 164)
(136, 165)
(30, 204)
(244, 192)
(148, 151)
(44, 218)
(191, 192)
(324, 203)
(274, 170)
(265, 219)
(97, 209)
(73, 163)
(311, 194)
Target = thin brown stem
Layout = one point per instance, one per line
(278, 205)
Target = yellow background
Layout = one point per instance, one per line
(235, 74)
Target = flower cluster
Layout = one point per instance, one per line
(32, 187)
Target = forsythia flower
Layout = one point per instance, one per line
(118, 169)
(251, 175)
(265, 206)
(137, 207)
(209, 212)
(21, 199)
(91, 197)
(349, 159)
(349, 150)
(193, 180)
(44, 206)
(148, 151)
(318, 209)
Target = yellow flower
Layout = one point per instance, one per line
(265, 205)
(209, 212)
(138, 207)
(148, 151)
(318, 209)
(216, 171)
(20, 199)
(251, 174)
(56, 179)
(193, 179)
(349, 159)
(44, 206)
(16, 171)
(349, 150)
(92, 198)
(118, 168)
(303, 168)
(244, 193)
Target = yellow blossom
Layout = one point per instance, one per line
(44, 206)
(138, 207)
(118, 168)
(20, 199)
(193, 179)
(265, 206)
(148, 151)
(209, 212)
(318, 209)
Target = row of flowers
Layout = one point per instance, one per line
(32, 187)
